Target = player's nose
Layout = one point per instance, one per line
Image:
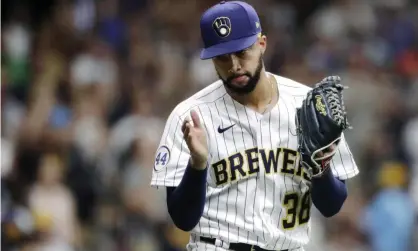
(235, 63)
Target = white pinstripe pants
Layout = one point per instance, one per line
(199, 246)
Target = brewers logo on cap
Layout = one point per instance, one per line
(222, 26)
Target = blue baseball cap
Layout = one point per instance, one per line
(228, 27)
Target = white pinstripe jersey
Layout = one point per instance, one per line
(256, 192)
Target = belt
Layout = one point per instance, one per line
(237, 246)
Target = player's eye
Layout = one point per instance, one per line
(227, 57)
(223, 58)
(242, 52)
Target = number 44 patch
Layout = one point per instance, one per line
(161, 158)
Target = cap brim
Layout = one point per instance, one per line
(228, 47)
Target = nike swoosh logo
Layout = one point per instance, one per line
(222, 130)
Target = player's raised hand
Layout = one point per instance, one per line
(195, 137)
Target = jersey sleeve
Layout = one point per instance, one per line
(343, 164)
(172, 154)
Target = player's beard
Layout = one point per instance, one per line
(252, 80)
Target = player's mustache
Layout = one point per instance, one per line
(229, 79)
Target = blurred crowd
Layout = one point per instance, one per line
(86, 87)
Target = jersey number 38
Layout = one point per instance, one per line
(298, 209)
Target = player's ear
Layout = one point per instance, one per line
(262, 40)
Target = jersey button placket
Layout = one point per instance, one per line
(259, 190)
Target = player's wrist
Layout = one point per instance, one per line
(322, 171)
(198, 164)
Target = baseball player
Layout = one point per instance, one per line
(244, 159)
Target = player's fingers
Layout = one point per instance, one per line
(187, 134)
(185, 122)
(186, 129)
(195, 118)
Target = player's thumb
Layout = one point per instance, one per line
(195, 118)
